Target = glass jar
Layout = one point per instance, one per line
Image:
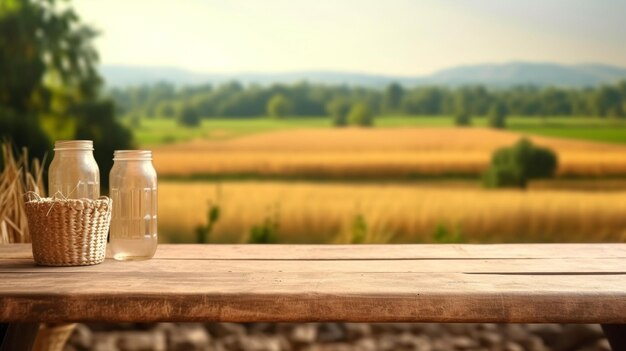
(133, 189)
(74, 172)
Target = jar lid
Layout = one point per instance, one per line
(85, 145)
(132, 155)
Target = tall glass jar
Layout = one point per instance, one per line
(74, 172)
(133, 189)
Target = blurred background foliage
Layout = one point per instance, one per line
(50, 87)
(233, 100)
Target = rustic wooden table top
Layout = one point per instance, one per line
(561, 283)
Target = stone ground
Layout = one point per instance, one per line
(337, 337)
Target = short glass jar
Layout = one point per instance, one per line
(133, 189)
(74, 172)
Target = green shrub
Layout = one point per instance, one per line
(443, 235)
(515, 166)
(361, 115)
(203, 232)
(500, 177)
(266, 232)
(359, 230)
(462, 119)
(189, 117)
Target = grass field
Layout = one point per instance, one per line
(409, 213)
(392, 153)
(165, 131)
(369, 181)
(159, 131)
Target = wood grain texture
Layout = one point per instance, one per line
(244, 283)
(362, 252)
(516, 265)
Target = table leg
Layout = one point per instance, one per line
(3, 330)
(19, 337)
(616, 334)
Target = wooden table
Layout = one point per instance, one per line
(538, 283)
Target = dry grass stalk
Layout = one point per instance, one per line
(17, 177)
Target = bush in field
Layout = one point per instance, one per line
(497, 116)
(361, 115)
(359, 230)
(443, 235)
(189, 117)
(278, 106)
(515, 166)
(338, 109)
(264, 233)
(462, 119)
(203, 232)
(267, 231)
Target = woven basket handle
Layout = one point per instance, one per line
(32, 196)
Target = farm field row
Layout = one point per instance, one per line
(374, 153)
(308, 212)
(158, 131)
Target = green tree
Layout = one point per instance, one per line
(189, 116)
(278, 106)
(497, 115)
(392, 97)
(555, 102)
(361, 115)
(48, 78)
(165, 109)
(515, 166)
(462, 116)
(96, 122)
(338, 109)
(423, 101)
(607, 101)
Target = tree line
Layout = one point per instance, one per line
(233, 99)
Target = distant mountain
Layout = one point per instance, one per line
(521, 73)
(496, 75)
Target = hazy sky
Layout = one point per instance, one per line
(404, 37)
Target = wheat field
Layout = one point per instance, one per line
(409, 213)
(374, 153)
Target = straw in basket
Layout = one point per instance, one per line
(68, 232)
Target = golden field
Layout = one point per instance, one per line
(411, 212)
(380, 152)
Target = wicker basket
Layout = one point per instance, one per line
(68, 232)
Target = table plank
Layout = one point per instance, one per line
(360, 297)
(372, 252)
(523, 266)
(393, 252)
(364, 283)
